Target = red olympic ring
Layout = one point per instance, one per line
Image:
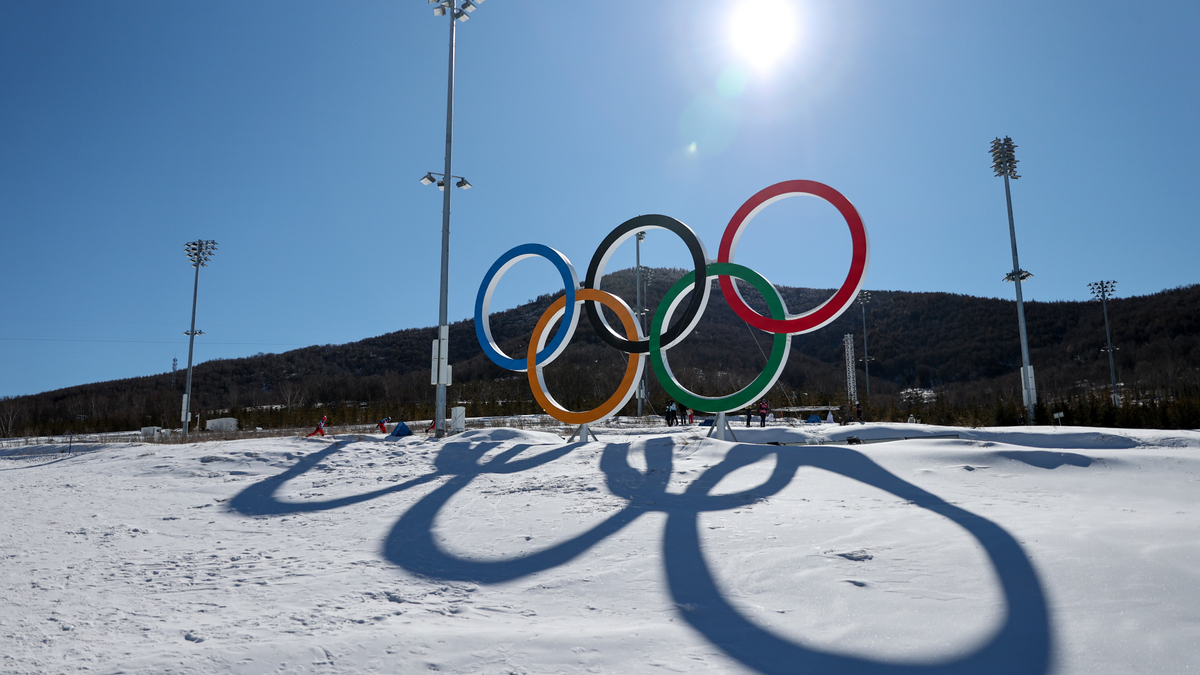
(830, 309)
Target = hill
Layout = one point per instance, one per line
(965, 348)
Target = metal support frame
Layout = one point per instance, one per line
(584, 433)
(720, 428)
(851, 375)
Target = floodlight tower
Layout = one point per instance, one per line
(1102, 291)
(1004, 163)
(851, 373)
(199, 252)
(863, 298)
(441, 346)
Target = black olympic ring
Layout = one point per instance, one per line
(691, 314)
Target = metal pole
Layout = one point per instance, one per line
(439, 419)
(1012, 233)
(1112, 369)
(866, 356)
(187, 391)
(640, 307)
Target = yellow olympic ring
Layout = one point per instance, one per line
(633, 371)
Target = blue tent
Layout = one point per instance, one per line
(813, 419)
(399, 432)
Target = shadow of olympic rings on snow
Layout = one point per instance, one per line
(1021, 645)
(454, 459)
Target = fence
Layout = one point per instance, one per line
(44, 445)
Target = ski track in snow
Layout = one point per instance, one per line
(508, 551)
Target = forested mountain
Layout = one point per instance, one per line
(964, 348)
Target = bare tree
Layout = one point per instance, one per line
(10, 411)
(292, 395)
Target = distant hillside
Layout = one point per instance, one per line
(964, 347)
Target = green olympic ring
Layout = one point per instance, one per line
(775, 362)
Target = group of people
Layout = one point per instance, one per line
(677, 414)
(762, 409)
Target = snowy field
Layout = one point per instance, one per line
(507, 551)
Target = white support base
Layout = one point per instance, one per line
(721, 428)
(584, 434)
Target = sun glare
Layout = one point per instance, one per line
(762, 32)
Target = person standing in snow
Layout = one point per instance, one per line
(763, 409)
(320, 427)
(383, 424)
(691, 414)
(858, 410)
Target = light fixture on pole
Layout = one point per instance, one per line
(1102, 291)
(441, 366)
(1004, 163)
(447, 7)
(863, 298)
(429, 179)
(199, 252)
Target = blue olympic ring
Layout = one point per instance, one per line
(483, 301)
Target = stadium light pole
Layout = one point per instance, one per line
(1102, 291)
(863, 298)
(441, 367)
(1004, 163)
(199, 252)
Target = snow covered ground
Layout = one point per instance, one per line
(508, 551)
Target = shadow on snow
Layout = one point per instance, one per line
(1021, 645)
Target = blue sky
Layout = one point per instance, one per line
(294, 134)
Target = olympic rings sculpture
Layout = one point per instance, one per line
(665, 334)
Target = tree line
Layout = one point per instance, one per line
(963, 349)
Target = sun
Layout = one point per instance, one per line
(762, 32)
